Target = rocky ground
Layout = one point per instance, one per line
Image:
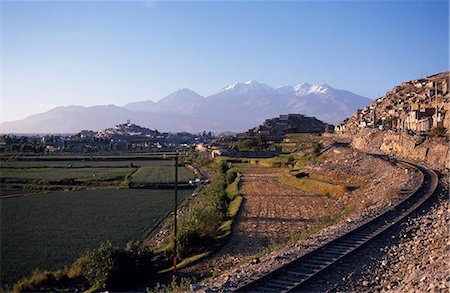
(239, 262)
(419, 262)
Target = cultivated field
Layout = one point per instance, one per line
(27, 174)
(83, 163)
(160, 175)
(51, 230)
(58, 174)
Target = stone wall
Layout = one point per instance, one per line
(432, 152)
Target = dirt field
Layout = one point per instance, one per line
(272, 213)
(273, 209)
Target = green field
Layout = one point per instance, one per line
(58, 174)
(160, 175)
(82, 163)
(145, 173)
(49, 231)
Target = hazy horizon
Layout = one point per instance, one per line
(99, 53)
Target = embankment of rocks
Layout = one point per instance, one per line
(432, 152)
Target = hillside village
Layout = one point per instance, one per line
(276, 128)
(259, 141)
(415, 107)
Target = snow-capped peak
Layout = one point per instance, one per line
(319, 89)
(245, 87)
(230, 87)
(301, 88)
(307, 89)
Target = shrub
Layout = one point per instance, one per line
(231, 175)
(37, 280)
(290, 160)
(111, 268)
(232, 189)
(197, 229)
(100, 266)
(234, 206)
(222, 166)
(317, 148)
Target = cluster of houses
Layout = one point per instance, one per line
(415, 107)
(276, 128)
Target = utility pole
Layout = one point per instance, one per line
(175, 206)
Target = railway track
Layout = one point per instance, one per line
(293, 276)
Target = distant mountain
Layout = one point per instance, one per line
(72, 119)
(236, 107)
(183, 101)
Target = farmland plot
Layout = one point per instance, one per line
(58, 174)
(160, 175)
(52, 230)
(83, 163)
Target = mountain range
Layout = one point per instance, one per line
(236, 107)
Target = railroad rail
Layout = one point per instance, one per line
(292, 276)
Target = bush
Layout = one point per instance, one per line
(317, 148)
(197, 229)
(101, 265)
(232, 189)
(37, 280)
(231, 175)
(234, 206)
(111, 268)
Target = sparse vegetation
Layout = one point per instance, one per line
(314, 186)
(181, 285)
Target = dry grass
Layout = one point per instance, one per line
(337, 177)
(314, 186)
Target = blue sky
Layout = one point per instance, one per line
(116, 52)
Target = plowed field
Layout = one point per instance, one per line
(271, 213)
